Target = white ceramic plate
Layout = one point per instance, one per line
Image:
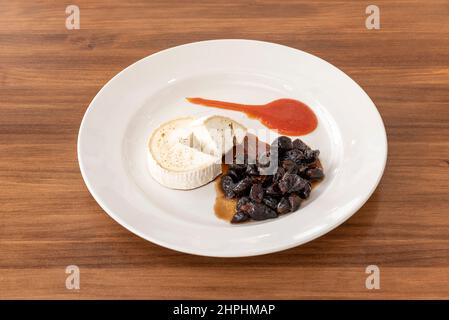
(115, 128)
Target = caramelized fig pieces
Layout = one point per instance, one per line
(305, 191)
(292, 183)
(302, 168)
(294, 155)
(273, 190)
(290, 166)
(260, 211)
(233, 174)
(243, 201)
(311, 156)
(283, 206)
(239, 216)
(300, 145)
(314, 174)
(271, 202)
(276, 184)
(295, 201)
(256, 193)
(227, 184)
(279, 174)
(242, 186)
(282, 143)
(289, 204)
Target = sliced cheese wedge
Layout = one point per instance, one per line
(185, 153)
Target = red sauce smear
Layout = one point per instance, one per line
(288, 116)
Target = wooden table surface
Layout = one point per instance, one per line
(48, 76)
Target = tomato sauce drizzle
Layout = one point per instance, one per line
(287, 116)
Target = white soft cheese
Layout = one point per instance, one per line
(185, 153)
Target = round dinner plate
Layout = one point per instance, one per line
(114, 131)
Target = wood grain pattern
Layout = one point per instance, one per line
(48, 76)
